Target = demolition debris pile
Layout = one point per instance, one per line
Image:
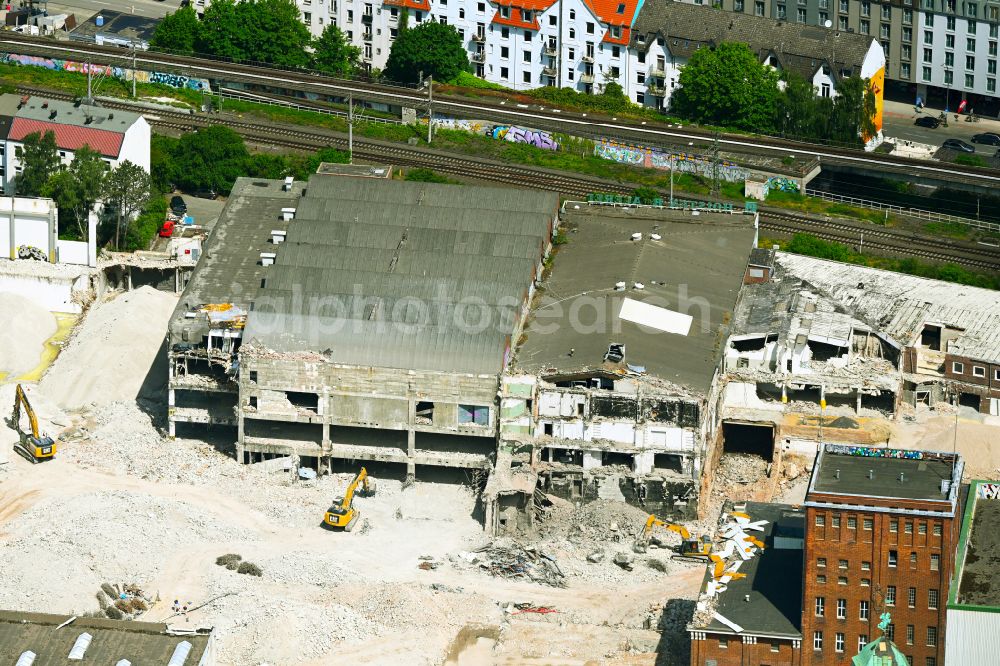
(25, 329)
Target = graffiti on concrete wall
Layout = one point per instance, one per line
(988, 490)
(654, 158)
(448, 122)
(780, 184)
(125, 74)
(516, 134)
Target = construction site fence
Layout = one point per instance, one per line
(915, 213)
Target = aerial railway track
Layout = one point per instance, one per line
(876, 239)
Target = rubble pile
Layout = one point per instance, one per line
(738, 474)
(512, 560)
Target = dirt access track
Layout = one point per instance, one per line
(324, 597)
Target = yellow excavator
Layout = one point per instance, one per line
(34, 446)
(342, 513)
(690, 548)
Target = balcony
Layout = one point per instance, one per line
(367, 35)
(587, 78)
(551, 51)
(588, 58)
(657, 71)
(366, 19)
(479, 37)
(656, 89)
(479, 56)
(549, 71)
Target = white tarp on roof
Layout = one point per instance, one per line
(655, 317)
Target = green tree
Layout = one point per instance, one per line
(177, 32)
(211, 158)
(333, 54)
(76, 189)
(127, 190)
(853, 111)
(162, 162)
(40, 160)
(432, 48)
(220, 33)
(272, 31)
(728, 86)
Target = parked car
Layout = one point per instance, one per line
(168, 229)
(988, 138)
(959, 145)
(206, 194)
(929, 122)
(178, 205)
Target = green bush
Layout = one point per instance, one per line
(250, 569)
(427, 176)
(467, 80)
(230, 561)
(141, 232)
(970, 160)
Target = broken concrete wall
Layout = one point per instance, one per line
(674, 499)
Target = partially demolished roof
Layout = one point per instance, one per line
(899, 305)
(773, 578)
(415, 276)
(656, 305)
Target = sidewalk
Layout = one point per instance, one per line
(901, 110)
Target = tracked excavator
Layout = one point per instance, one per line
(690, 549)
(342, 513)
(33, 445)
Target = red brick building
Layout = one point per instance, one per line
(881, 530)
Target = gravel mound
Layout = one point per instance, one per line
(93, 368)
(26, 328)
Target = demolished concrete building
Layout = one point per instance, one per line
(614, 388)
(358, 319)
(822, 347)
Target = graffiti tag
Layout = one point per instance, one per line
(516, 134)
(142, 76)
(988, 490)
(654, 158)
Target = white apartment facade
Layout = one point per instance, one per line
(957, 54)
(581, 44)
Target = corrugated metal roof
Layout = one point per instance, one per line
(70, 137)
(899, 305)
(112, 640)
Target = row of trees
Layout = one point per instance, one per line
(270, 31)
(728, 86)
(267, 31)
(76, 188)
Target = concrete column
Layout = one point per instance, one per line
(592, 459)
(239, 437)
(411, 443)
(857, 400)
(170, 410)
(643, 462)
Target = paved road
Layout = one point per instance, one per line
(898, 122)
(86, 8)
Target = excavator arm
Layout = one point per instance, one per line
(32, 445)
(342, 513)
(348, 500)
(20, 398)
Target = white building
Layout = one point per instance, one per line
(583, 44)
(116, 135)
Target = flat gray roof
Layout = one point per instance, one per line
(111, 640)
(845, 470)
(979, 562)
(773, 578)
(695, 268)
(391, 273)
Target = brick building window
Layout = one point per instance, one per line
(821, 579)
(817, 640)
(862, 641)
(937, 526)
(867, 523)
(841, 609)
(890, 595)
(775, 646)
(922, 528)
(852, 523)
(893, 558)
(866, 566)
(932, 636)
(838, 644)
(890, 631)
(930, 661)
(893, 525)
(842, 580)
(958, 368)
(932, 599)
(724, 643)
(913, 560)
(911, 597)
(821, 561)
(842, 564)
(909, 527)
(863, 611)
(835, 520)
(866, 582)
(978, 371)
(820, 520)
(820, 606)
(909, 634)
(935, 562)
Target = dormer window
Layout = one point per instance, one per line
(505, 12)
(616, 31)
(621, 8)
(527, 15)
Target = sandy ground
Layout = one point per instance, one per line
(24, 332)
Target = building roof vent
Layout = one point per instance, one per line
(267, 258)
(27, 658)
(180, 654)
(620, 286)
(287, 214)
(836, 474)
(289, 181)
(639, 286)
(902, 477)
(636, 236)
(871, 474)
(278, 236)
(655, 236)
(945, 487)
(80, 647)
